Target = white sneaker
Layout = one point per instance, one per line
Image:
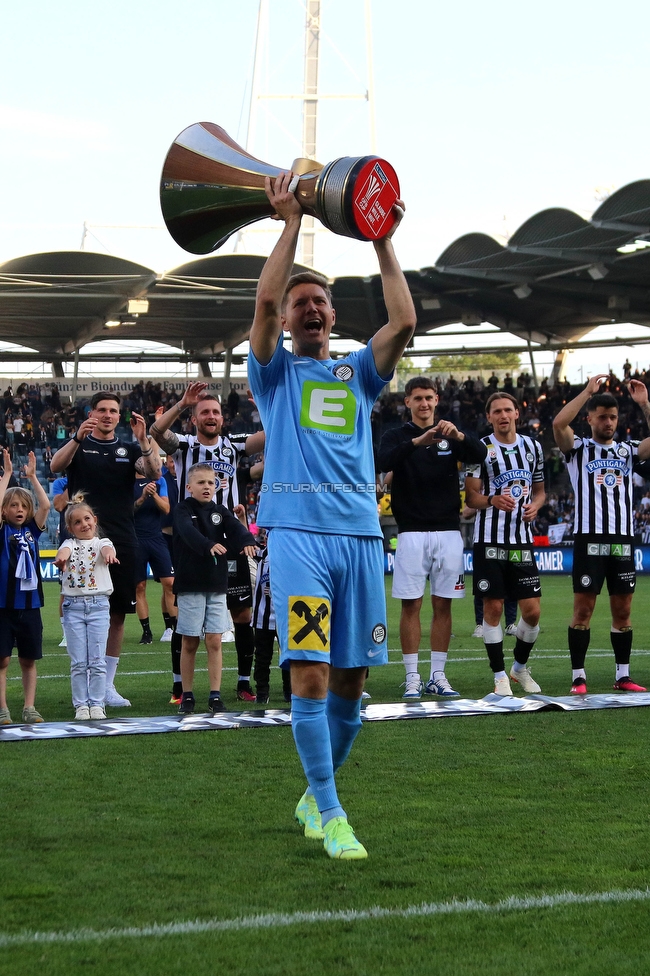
(441, 688)
(115, 700)
(64, 642)
(412, 687)
(511, 630)
(502, 687)
(478, 632)
(227, 637)
(97, 712)
(524, 678)
(365, 695)
(167, 635)
(82, 713)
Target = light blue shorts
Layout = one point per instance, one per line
(328, 595)
(200, 613)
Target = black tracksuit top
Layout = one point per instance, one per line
(197, 526)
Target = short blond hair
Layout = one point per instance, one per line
(24, 495)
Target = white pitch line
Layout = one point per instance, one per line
(538, 656)
(281, 920)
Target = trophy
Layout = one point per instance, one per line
(211, 187)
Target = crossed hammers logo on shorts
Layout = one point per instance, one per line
(312, 625)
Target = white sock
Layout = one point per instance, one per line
(622, 671)
(111, 668)
(410, 662)
(517, 667)
(438, 661)
(499, 674)
(578, 673)
(176, 677)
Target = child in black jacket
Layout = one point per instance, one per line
(204, 533)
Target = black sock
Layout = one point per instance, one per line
(188, 694)
(177, 640)
(245, 646)
(144, 621)
(495, 656)
(214, 694)
(578, 645)
(522, 650)
(622, 644)
(168, 620)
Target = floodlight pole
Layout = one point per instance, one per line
(532, 366)
(75, 375)
(227, 363)
(310, 115)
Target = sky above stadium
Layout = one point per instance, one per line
(488, 112)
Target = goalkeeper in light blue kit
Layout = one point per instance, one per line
(318, 499)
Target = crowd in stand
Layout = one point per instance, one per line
(32, 420)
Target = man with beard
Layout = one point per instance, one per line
(208, 446)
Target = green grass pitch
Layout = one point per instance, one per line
(458, 815)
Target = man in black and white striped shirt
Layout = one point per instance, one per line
(507, 490)
(601, 470)
(207, 446)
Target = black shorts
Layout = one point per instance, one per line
(597, 558)
(122, 599)
(24, 628)
(154, 551)
(505, 572)
(240, 591)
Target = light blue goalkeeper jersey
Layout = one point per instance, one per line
(319, 472)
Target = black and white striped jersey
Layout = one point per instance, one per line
(601, 478)
(222, 457)
(508, 469)
(263, 612)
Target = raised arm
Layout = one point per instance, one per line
(390, 341)
(639, 393)
(6, 475)
(159, 429)
(267, 324)
(43, 502)
(562, 430)
(150, 455)
(65, 454)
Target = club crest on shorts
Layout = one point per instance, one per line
(379, 633)
(585, 581)
(483, 585)
(309, 624)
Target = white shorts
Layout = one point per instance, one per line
(436, 555)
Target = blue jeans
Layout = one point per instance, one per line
(86, 621)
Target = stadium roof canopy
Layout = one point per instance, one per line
(558, 277)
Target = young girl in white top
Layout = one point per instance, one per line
(86, 586)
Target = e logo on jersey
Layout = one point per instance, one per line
(309, 624)
(329, 407)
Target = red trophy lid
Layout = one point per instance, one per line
(376, 188)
